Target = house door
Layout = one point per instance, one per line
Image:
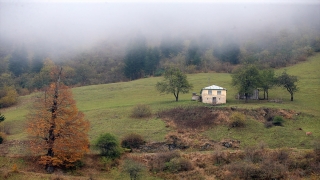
(214, 100)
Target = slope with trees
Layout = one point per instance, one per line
(139, 56)
(248, 78)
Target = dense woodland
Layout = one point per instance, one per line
(25, 68)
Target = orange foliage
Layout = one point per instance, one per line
(58, 130)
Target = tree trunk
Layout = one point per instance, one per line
(246, 95)
(264, 94)
(49, 168)
(267, 94)
(54, 108)
(291, 96)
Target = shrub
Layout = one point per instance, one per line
(108, 146)
(237, 120)
(158, 162)
(178, 164)
(132, 141)
(253, 154)
(219, 157)
(272, 170)
(141, 111)
(243, 170)
(317, 149)
(2, 118)
(106, 162)
(277, 121)
(1, 139)
(8, 96)
(282, 155)
(133, 168)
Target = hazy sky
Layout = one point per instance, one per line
(80, 22)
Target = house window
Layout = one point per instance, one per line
(218, 92)
(210, 92)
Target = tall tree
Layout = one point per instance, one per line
(43, 78)
(174, 82)
(152, 60)
(229, 52)
(37, 62)
(170, 46)
(193, 54)
(267, 80)
(18, 63)
(135, 58)
(288, 82)
(58, 130)
(246, 79)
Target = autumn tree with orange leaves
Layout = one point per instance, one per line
(58, 131)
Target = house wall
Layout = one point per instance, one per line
(220, 99)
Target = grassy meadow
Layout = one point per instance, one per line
(108, 108)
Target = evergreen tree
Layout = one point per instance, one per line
(135, 58)
(18, 63)
(193, 55)
(152, 61)
(170, 46)
(229, 52)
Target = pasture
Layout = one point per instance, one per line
(108, 108)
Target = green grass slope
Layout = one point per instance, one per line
(108, 107)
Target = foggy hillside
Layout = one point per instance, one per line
(107, 41)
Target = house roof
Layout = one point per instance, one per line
(214, 87)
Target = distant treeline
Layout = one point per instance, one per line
(26, 68)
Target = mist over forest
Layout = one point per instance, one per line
(84, 24)
(104, 42)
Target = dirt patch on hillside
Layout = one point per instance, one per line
(188, 123)
(203, 118)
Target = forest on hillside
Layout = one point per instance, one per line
(25, 63)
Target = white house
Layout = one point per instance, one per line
(214, 95)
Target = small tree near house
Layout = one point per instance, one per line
(267, 81)
(174, 82)
(288, 82)
(58, 131)
(246, 79)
